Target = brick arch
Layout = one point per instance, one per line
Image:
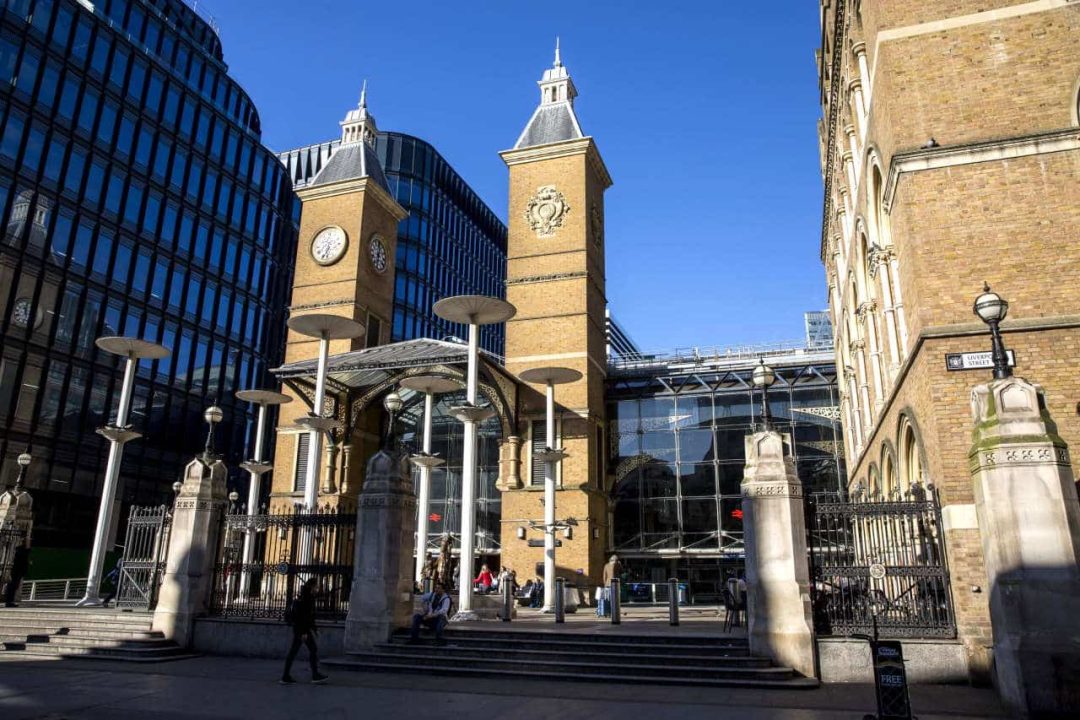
(1076, 102)
(911, 450)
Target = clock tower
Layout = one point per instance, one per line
(555, 279)
(344, 266)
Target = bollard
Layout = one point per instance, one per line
(616, 604)
(673, 601)
(508, 599)
(560, 600)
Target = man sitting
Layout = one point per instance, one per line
(436, 608)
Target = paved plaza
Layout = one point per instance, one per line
(215, 687)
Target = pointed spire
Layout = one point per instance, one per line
(359, 125)
(558, 59)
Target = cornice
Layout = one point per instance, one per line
(347, 187)
(566, 148)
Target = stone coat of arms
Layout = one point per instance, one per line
(546, 210)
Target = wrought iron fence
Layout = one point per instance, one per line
(263, 559)
(146, 545)
(879, 563)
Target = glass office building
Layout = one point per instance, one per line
(450, 244)
(135, 199)
(677, 427)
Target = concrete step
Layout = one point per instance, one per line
(27, 628)
(375, 662)
(123, 655)
(467, 653)
(625, 638)
(580, 644)
(99, 642)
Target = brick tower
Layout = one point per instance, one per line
(344, 266)
(555, 278)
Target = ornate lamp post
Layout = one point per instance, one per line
(393, 404)
(118, 435)
(24, 459)
(430, 385)
(326, 328)
(474, 310)
(212, 415)
(992, 309)
(551, 457)
(764, 377)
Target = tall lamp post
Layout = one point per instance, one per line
(133, 350)
(474, 310)
(992, 309)
(326, 328)
(23, 460)
(551, 457)
(256, 467)
(764, 377)
(430, 385)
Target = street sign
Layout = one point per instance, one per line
(975, 360)
(540, 543)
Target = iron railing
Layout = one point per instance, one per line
(879, 563)
(53, 589)
(146, 547)
(286, 549)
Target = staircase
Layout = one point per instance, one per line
(85, 633)
(664, 659)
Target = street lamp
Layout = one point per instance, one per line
(551, 456)
(213, 415)
(992, 309)
(393, 404)
(233, 498)
(764, 376)
(430, 385)
(176, 487)
(473, 310)
(24, 461)
(132, 350)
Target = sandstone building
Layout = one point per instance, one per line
(950, 154)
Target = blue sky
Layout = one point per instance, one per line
(704, 111)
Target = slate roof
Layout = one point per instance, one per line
(550, 124)
(352, 161)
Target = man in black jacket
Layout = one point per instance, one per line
(302, 617)
(20, 564)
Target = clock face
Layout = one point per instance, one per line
(378, 254)
(329, 245)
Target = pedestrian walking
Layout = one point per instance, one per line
(114, 578)
(301, 615)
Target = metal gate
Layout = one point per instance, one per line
(146, 545)
(879, 563)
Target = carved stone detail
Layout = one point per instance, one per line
(546, 211)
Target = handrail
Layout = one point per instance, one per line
(53, 589)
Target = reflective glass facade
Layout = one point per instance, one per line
(450, 244)
(135, 199)
(448, 440)
(677, 435)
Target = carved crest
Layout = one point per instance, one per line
(546, 210)
(597, 226)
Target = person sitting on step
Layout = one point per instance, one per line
(435, 615)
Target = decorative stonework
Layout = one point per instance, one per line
(1019, 456)
(546, 278)
(546, 211)
(596, 226)
(830, 412)
(772, 490)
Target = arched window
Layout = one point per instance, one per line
(911, 473)
(888, 474)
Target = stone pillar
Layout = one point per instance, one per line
(777, 570)
(193, 544)
(346, 463)
(510, 464)
(381, 598)
(16, 513)
(329, 486)
(1029, 521)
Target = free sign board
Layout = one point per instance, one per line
(975, 360)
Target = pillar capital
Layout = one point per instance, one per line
(858, 47)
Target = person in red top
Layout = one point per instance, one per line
(485, 579)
